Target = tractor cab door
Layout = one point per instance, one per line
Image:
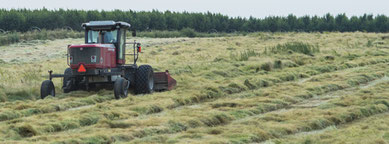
(121, 47)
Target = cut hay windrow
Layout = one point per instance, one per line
(228, 117)
(215, 93)
(325, 117)
(230, 90)
(22, 111)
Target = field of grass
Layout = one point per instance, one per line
(16, 37)
(258, 88)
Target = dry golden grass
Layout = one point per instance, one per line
(263, 87)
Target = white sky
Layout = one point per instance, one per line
(243, 8)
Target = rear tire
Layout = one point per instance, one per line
(121, 88)
(68, 82)
(47, 88)
(144, 80)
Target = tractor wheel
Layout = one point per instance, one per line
(144, 80)
(120, 88)
(47, 88)
(68, 82)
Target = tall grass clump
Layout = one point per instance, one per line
(26, 131)
(244, 56)
(297, 47)
(188, 32)
(3, 96)
(10, 38)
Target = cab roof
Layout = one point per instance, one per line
(105, 25)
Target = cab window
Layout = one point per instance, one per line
(102, 36)
(122, 43)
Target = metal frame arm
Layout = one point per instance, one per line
(136, 51)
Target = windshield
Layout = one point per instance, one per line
(102, 36)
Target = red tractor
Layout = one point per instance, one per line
(101, 60)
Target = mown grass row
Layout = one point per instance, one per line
(365, 130)
(330, 114)
(157, 126)
(222, 118)
(344, 115)
(261, 128)
(319, 85)
(152, 108)
(216, 119)
(254, 93)
(27, 130)
(213, 120)
(254, 83)
(308, 93)
(26, 110)
(156, 108)
(67, 120)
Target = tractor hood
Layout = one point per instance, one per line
(92, 56)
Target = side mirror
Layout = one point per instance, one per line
(133, 33)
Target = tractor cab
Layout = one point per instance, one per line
(108, 33)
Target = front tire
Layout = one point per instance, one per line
(47, 88)
(121, 88)
(144, 80)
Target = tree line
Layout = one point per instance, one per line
(25, 19)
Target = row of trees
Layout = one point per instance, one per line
(25, 19)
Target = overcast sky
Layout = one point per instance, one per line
(243, 8)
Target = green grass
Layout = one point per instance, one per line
(259, 87)
(297, 47)
(186, 32)
(16, 37)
